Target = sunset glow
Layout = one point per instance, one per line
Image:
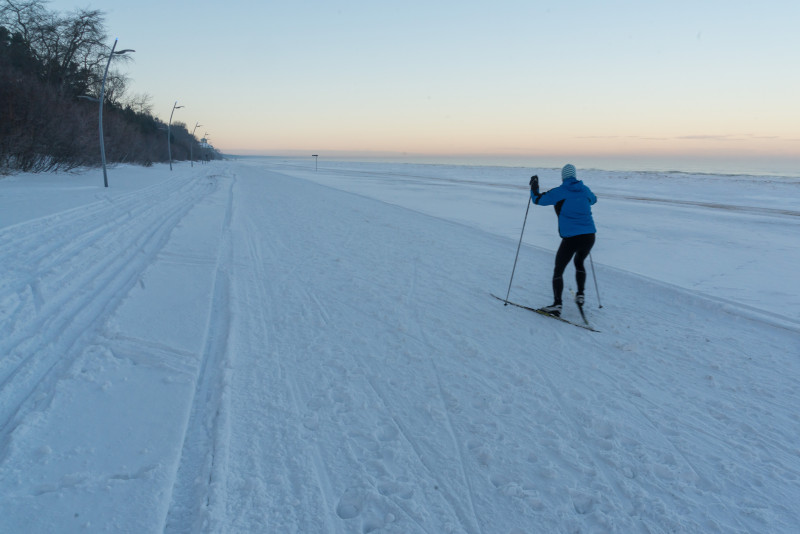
(503, 78)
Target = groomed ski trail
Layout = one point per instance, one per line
(69, 272)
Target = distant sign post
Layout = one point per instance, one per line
(315, 156)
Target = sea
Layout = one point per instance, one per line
(786, 166)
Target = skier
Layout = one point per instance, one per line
(572, 201)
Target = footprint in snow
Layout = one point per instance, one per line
(387, 432)
(388, 488)
(350, 504)
(358, 504)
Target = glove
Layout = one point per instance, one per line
(535, 184)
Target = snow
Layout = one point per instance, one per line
(255, 346)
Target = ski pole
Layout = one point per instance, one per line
(597, 290)
(518, 247)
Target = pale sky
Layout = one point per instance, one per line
(512, 77)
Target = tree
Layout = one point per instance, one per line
(47, 61)
(68, 50)
(140, 103)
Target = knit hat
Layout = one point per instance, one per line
(568, 171)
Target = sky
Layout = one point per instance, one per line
(592, 79)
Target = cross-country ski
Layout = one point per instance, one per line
(585, 324)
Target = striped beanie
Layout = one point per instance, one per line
(568, 171)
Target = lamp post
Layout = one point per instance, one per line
(169, 133)
(100, 114)
(315, 156)
(191, 143)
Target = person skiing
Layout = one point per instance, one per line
(573, 204)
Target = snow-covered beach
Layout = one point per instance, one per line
(254, 345)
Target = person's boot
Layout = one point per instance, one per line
(554, 309)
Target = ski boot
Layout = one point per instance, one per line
(554, 309)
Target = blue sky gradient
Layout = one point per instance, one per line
(591, 79)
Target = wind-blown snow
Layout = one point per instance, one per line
(253, 346)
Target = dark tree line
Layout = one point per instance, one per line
(48, 62)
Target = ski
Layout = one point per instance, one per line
(583, 315)
(586, 326)
(580, 308)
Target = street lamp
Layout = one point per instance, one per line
(169, 133)
(100, 100)
(191, 143)
(315, 156)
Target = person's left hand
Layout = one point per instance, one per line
(535, 184)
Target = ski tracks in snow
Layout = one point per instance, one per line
(84, 336)
(322, 362)
(199, 486)
(65, 274)
(343, 455)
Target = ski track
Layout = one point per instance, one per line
(282, 397)
(468, 519)
(200, 478)
(351, 503)
(384, 499)
(578, 427)
(455, 438)
(75, 274)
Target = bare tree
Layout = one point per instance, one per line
(140, 103)
(68, 49)
(22, 17)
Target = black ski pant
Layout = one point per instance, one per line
(578, 246)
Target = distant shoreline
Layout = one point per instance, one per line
(716, 167)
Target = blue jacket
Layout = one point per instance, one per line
(573, 202)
